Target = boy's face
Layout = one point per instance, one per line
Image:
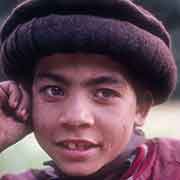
(84, 110)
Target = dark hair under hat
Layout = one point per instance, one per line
(118, 28)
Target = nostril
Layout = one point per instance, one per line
(77, 112)
(73, 125)
(74, 121)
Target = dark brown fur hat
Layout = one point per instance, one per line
(118, 28)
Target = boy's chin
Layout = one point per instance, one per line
(79, 170)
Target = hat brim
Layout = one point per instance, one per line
(149, 59)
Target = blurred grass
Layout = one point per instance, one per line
(162, 121)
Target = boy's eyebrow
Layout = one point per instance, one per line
(53, 77)
(104, 79)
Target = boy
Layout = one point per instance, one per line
(85, 75)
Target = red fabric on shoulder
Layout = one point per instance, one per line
(162, 161)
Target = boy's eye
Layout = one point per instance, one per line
(106, 93)
(52, 91)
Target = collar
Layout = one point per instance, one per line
(107, 171)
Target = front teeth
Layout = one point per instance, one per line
(72, 146)
(76, 146)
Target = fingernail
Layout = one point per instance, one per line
(14, 104)
(26, 117)
(23, 112)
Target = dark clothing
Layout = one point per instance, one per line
(157, 159)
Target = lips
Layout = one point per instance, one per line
(77, 150)
(78, 145)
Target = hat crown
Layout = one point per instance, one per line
(118, 28)
(115, 9)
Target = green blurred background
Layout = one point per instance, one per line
(163, 121)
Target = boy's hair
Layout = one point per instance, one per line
(117, 28)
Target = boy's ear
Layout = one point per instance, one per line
(144, 104)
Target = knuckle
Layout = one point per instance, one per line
(2, 93)
(5, 83)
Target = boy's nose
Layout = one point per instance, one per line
(78, 114)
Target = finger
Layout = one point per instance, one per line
(3, 97)
(23, 110)
(14, 95)
(10, 88)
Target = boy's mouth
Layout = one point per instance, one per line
(78, 145)
(78, 149)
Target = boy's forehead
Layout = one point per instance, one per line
(75, 61)
(82, 66)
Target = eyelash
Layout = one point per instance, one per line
(110, 92)
(45, 89)
(100, 94)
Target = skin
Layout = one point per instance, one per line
(14, 113)
(84, 97)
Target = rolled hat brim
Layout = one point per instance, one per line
(118, 28)
(146, 55)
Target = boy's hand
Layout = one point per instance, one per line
(14, 113)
